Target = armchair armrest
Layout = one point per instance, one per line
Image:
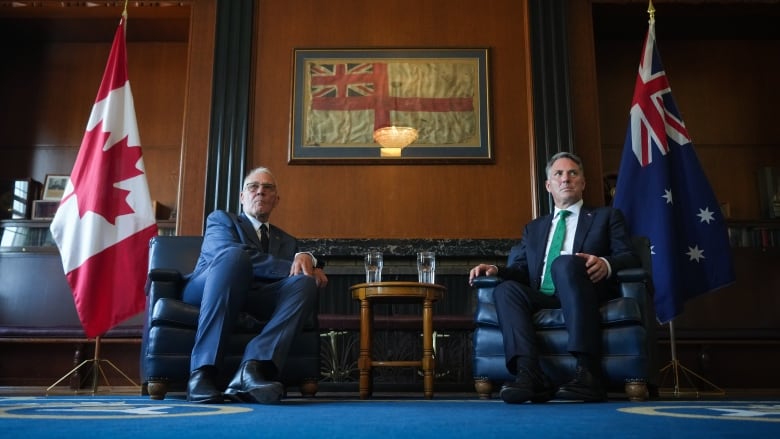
(637, 283)
(164, 283)
(164, 275)
(486, 281)
(633, 275)
(485, 313)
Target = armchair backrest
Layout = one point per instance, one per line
(642, 290)
(642, 249)
(638, 282)
(179, 253)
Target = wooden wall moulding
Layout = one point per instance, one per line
(32, 6)
(82, 21)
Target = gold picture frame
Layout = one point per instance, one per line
(342, 96)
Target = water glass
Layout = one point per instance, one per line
(373, 262)
(426, 267)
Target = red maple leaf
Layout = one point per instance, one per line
(96, 171)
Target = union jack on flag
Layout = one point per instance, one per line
(342, 80)
(665, 195)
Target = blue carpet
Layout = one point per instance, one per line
(138, 417)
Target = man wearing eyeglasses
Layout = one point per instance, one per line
(248, 265)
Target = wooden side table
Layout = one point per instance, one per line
(395, 292)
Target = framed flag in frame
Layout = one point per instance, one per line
(340, 97)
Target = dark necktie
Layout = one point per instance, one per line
(264, 237)
(555, 250)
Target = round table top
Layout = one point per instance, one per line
(398, 290)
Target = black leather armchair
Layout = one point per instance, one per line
(630, 360)
(170, 324)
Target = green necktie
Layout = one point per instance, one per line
(555, 250)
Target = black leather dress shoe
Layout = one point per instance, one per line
(528, 386)
(249, 385)
(584, 387)
(201, 387)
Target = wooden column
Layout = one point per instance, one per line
(551, 89)
(227, 153)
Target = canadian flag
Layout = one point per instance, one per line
(105, 219)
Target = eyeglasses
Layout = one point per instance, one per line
(558, 174)
(254, 187)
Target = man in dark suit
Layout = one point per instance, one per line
(246, 264)
(595, 244)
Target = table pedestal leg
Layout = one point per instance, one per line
(428, 361)
(364, 361)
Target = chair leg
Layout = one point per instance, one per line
(636, 390)
(309, 387)
(157, 389)
(484, 387)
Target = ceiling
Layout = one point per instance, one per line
(92, 21)
(727, 20)
(169, 20)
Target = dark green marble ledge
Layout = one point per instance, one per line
(448, 248)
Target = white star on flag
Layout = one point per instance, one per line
(695, 254)
(667, 196)
(705, 215)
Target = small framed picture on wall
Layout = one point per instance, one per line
(54, 187)
(44, 209)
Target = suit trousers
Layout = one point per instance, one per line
(225, 289)
(577, 297)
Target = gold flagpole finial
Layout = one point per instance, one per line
(124, 12)
(651, 10)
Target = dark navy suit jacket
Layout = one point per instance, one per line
(225, 229)
(601, 232)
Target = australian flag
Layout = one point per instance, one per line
(665, 195)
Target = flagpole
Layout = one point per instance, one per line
(676, 369)
(650, 10)
(97, 370)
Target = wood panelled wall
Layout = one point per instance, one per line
(172, 89)
(197, 113)
(46, 123)
(49, 84)
(50, 76)
(398, 201)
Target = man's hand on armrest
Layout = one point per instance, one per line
(306, 263)
(482, 270)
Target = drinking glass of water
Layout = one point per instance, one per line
(374, 262)
(426, 267)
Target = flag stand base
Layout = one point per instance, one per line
(97, 370)
(676, 368)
